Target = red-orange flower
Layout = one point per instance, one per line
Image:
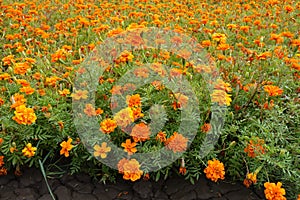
(177, 142)
(274, 191)
(215, 170)
(133, 100)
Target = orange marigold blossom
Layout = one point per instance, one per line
(28, 150)
(161, 136)
(108, 125)
(23, 115)
(129, 147)
(220, 97)
(177, 142)
(131, 170)
(1, 161)
(124, 117)
(99, 111)
(205, 127)
(66, 146)
(140, 132)
(89, 110)
(274, 191)
(17, 100)
(182, 99)
(80, 94)
(3, 171)
(215, 170)
(255, 147)
(101, 151)
(273, 90)
(250, 179)
(133, 100)
(27, 90)
(1, 101)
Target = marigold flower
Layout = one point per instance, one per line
(3, 171)
(274, 191)
(221, 97)
(161, 136)
(1, 161)
(177, 142)
(250, 179)
(108, 125)
(64, 92)
(1, 101)
(182, 100)
(140, 132)
(101, 150)
(124, 117)
(255, 147)
(215, 170)
(66, 146)
(21, 68)
(133, 100)
(23, 115)
(27, 90)
(273, 90)
(80, 94)
(129, 147)
(89, 110)
(131, 170)
(205, 127)
(28, 150)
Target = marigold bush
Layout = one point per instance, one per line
(255, 48)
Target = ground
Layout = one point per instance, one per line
(31, 186)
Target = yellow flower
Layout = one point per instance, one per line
(66, 147)
(101, 151)
(28, 150)
(215, 170)
(80, 94)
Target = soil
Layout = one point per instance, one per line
(32, 186)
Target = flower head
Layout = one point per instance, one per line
(140, 132)
(66, 147)
(177, 142)
(215, 170)
(101, 150)
(28, 150)
(274, 191)
(108, 125)
(273, 90)
(129, 147)
(23, 115)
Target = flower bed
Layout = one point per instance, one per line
(91, 86)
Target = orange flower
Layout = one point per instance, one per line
(250, 179)
(124, 117)
(3, 171)
(27, 90)
(215, 170)
(221, 85)
(21, 68)
(140, 132)
(89, 110)
(137, 113)
(161, 136)
(99, 111)
(133, 100)
(129, 147)
(108, 125)
(1, 101)
(23, 115)
(255, 147)
(1, 161)
(206, 127)
(220, 97)
(66, 146)
(177, 142)
(131, 170)
(274, 191)
(80, 94)
(101, 151)
(181, 99)
(28, 150)
(273, 90)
